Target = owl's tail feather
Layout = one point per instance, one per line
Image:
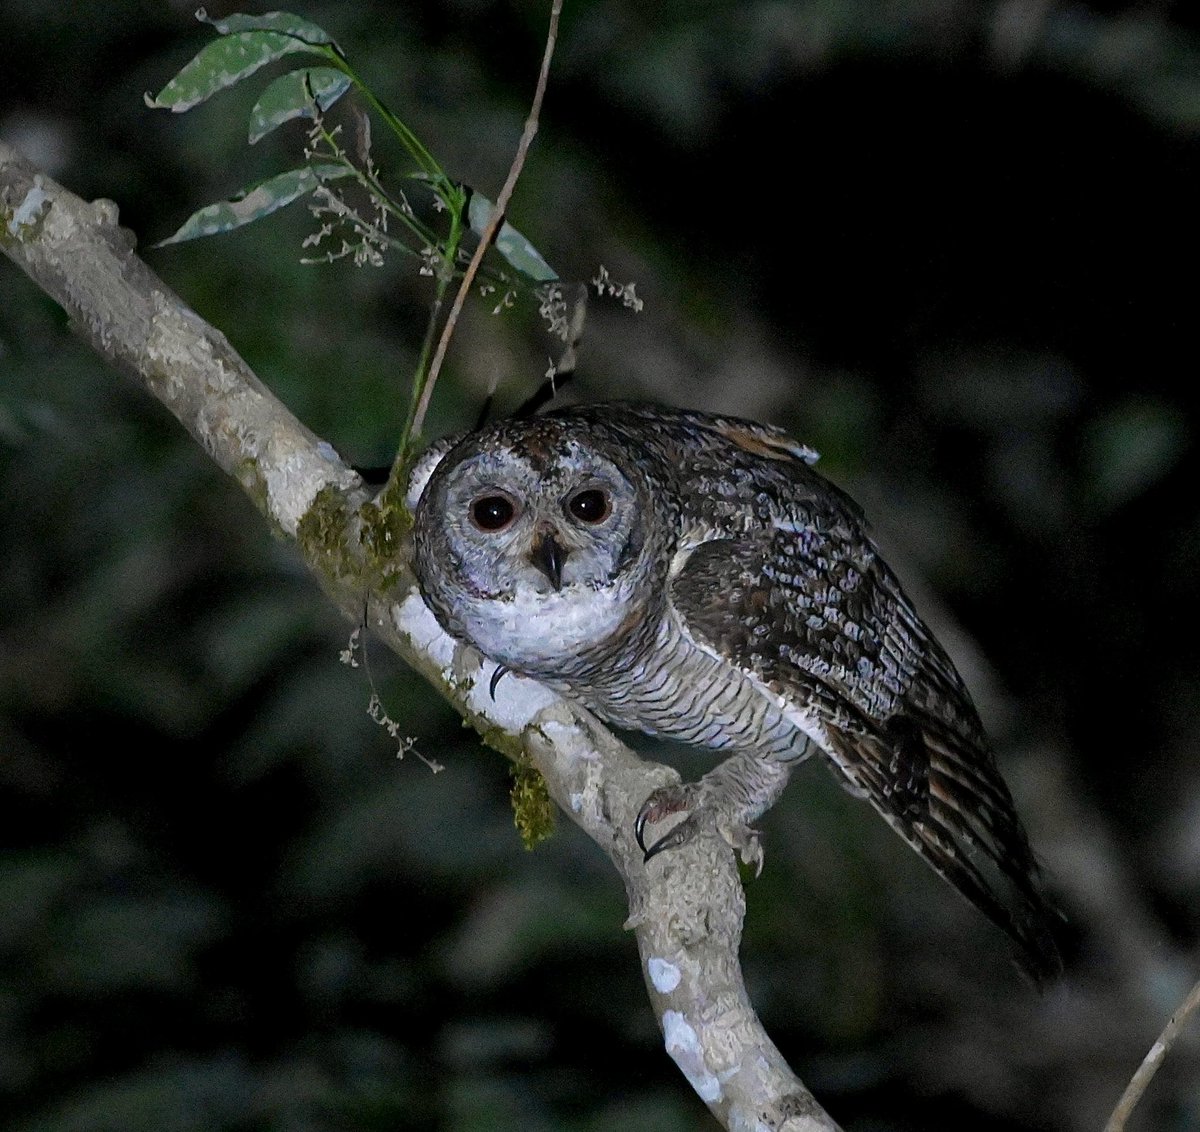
(1025, 915)
(952, 806)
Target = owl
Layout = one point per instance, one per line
(693, 577)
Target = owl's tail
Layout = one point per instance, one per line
(943, 794)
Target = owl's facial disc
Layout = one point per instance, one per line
(529, 554)
(542, 533)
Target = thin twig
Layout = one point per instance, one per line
(1158, 1051)
(494, 221)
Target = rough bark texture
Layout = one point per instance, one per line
(686, 907)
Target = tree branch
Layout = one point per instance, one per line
(685, 907)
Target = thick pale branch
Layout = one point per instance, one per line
(686, 907)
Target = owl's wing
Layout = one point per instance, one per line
(815, 617)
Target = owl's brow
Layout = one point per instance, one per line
(535, 450)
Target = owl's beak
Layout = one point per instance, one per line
(548, 555)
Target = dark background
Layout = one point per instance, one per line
(949, 244)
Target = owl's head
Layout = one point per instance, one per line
(531, 543)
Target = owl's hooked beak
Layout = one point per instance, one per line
(548, 555)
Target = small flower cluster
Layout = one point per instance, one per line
(606, 285)
(356, 648)
(368, 239)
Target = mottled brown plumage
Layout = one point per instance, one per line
(693, 577)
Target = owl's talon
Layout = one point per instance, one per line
(662, 803)
(502, 670)
(639, 833)
(702, 807)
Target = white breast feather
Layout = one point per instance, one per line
(542, 631)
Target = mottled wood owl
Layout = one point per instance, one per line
(692, 577)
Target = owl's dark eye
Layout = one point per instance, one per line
(590, 505)
(493, 512)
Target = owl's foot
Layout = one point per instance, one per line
(703, 808)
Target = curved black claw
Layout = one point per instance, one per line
(701, 807)
(639, 832)
(497, 676)
(662, 803)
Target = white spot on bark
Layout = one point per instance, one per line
(106, 211)
(683, 1046)
(27, 212)
(567, 736)
(739, 1122)
(293, 477)
(665, 976)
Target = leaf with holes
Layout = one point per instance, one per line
(255, 202)
(292, 96)
(246, 44)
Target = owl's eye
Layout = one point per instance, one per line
(592, 505)
(493, 512)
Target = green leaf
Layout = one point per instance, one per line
(514, 247)
(225, 62)
(284, 22)
(255, 202)
(291, 96)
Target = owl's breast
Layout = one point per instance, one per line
(558, 636)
